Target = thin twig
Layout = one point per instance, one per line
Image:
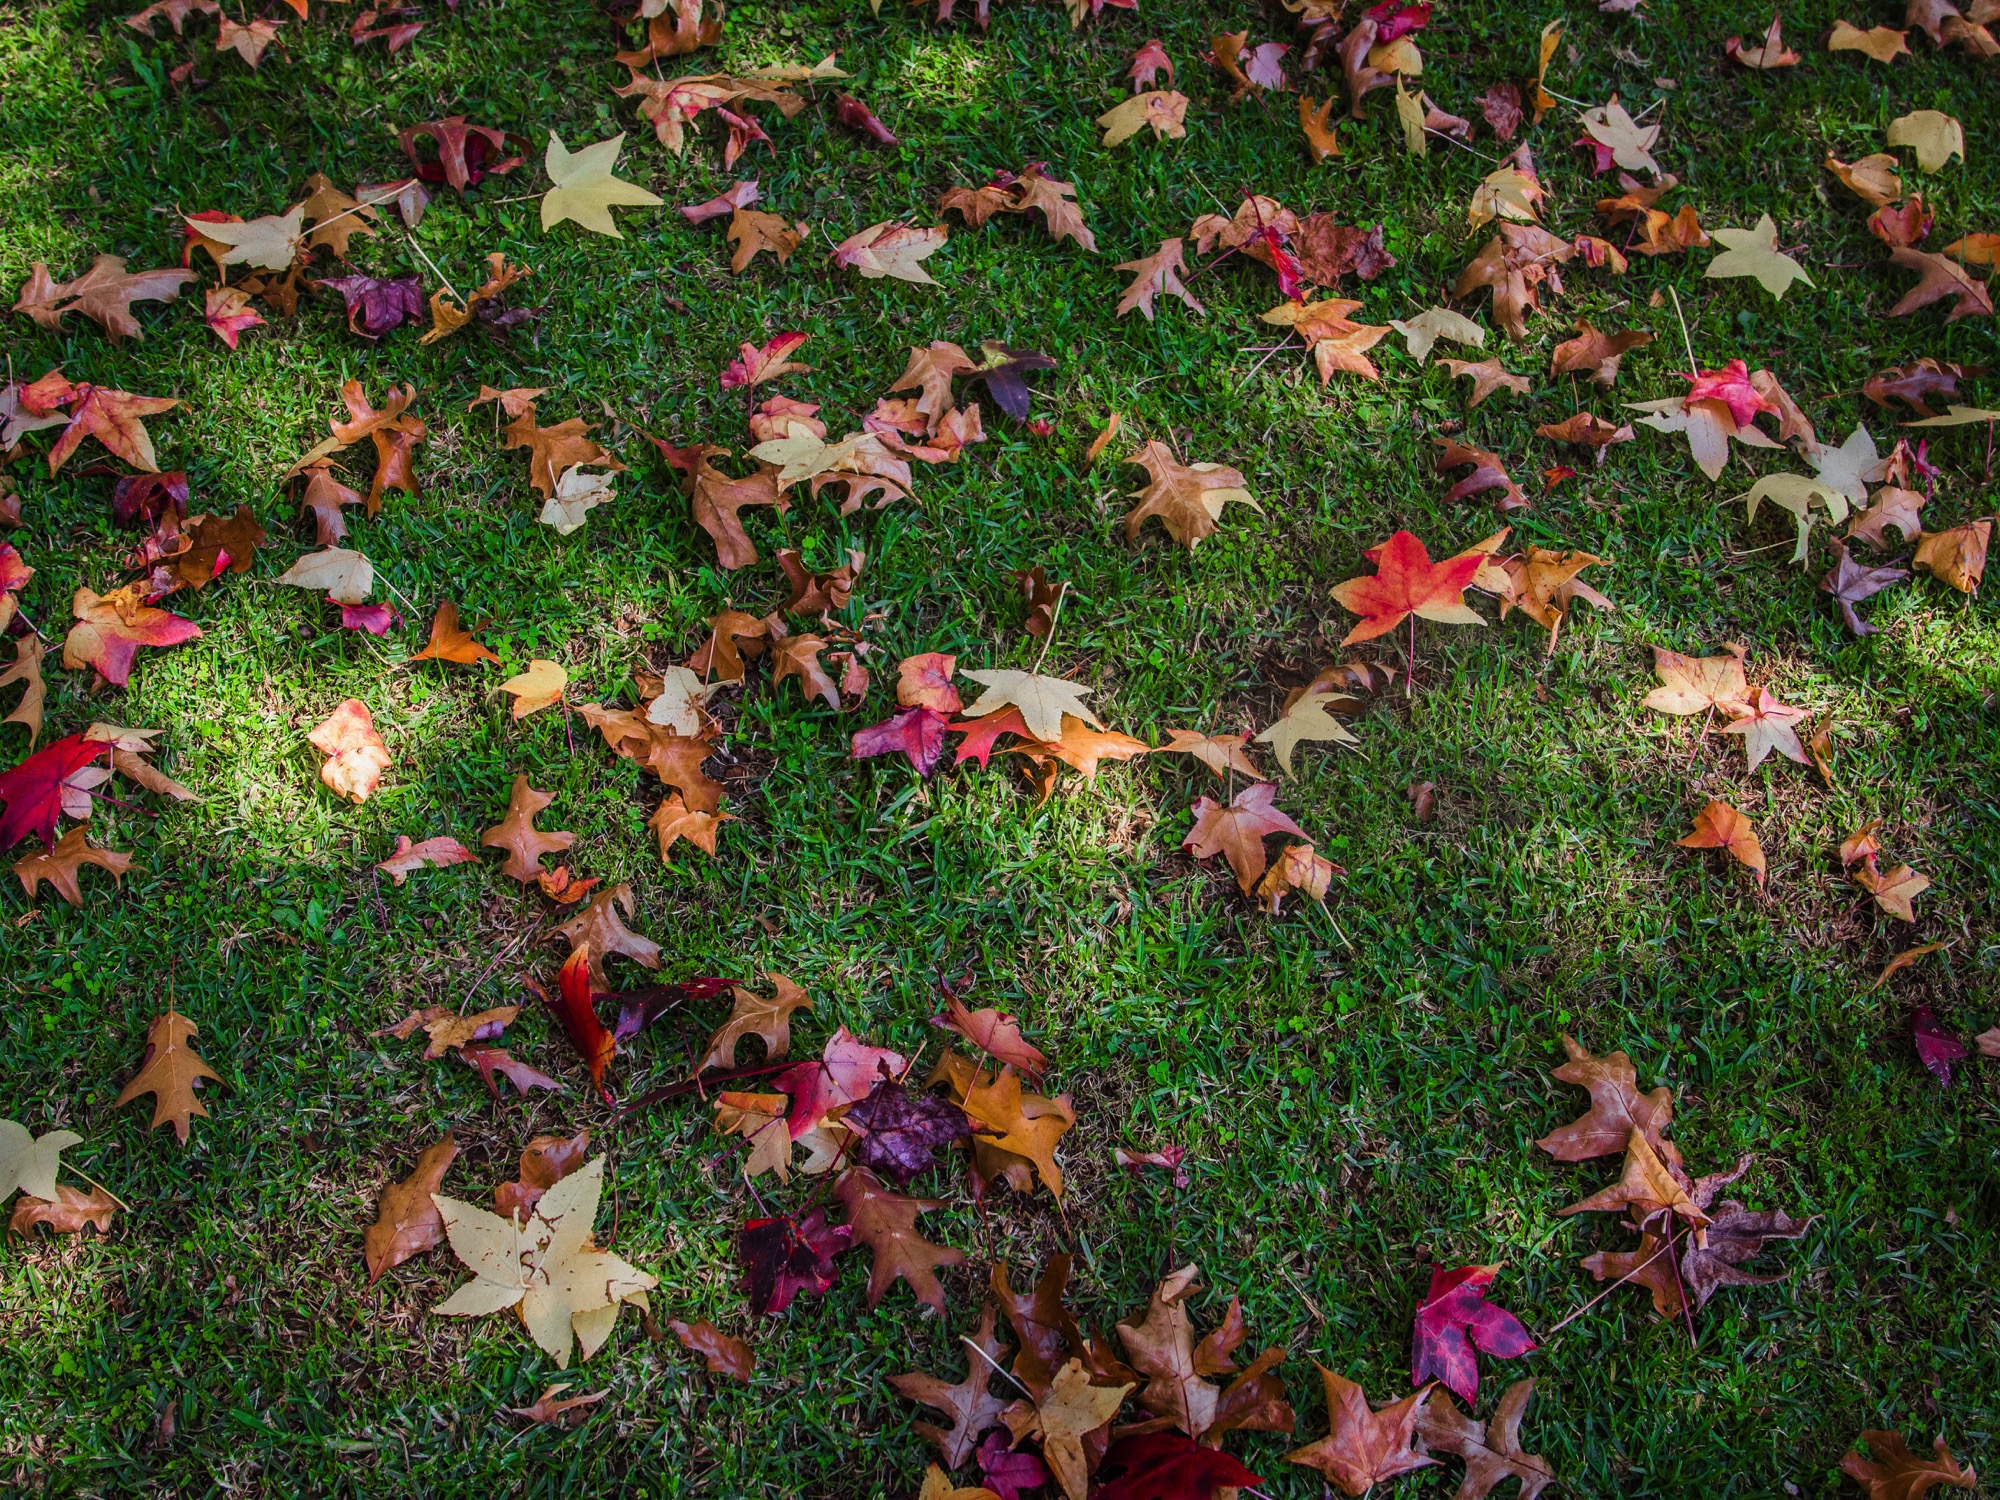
(1498, 161)
(966, 1340)
(442, 278)
(1605, 1293)
(99, 1186)
(1694, 368)
(1055, 614)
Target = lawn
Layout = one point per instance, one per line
(1358, 1085)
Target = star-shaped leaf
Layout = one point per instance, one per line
(585, 192)
(1754, 252)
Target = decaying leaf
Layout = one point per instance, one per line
(1365, 1446)
(1491, 1449)
(355, 755)
(406, 1221)
(516, 835)
(170, 1071)
(1893, 1472)
(566, 1290)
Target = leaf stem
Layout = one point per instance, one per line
(1055, 614)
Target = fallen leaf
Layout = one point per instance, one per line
(1850, 583)
(1487, 474)
(170, 1071)
(576, 494)
(563, 1287)
(1698, 684)
(723, 1353)
(376, 305)
(891, 249)
(1939, 277)
(1237, 831)
(1164, 111)
(598, 928)
(104, 293)
(1422, 332)
(61, 865)
(1893, 889)
(68, 1211)
(32, 790)
(1893, 1472)
(1406, 583)
(1956, 556)
(1221, 753)
(886, 1223)
(406, 1221)
(972, 1408)
(1488, 376)
(1188, 498)
(1315, 122)
(1720, 826)
(1621, 138)
(1597, 354)
(1491, 1449)
(1767, 725)
(994, 1033)
(1754, 253)
(585, 192)
(1024, 1124)
(1306, 718)
(1771, 53)
(516, 835)
(1453, 1320)
(355, 755)
(563, 1412)
(1916, 383)
(1909, 956)
(540, 687)
(1878, 42)
(1072, 1409)
(1684, 1272)
(782, 1257)
(1364, 1446)
(112, 417)
(1153, 275)
(1297, 869)
(271, 243)
(1934, 136)
(754, 233)
(1042, 701)
(673, 819)
(29, 1162)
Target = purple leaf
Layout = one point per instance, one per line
(377, 304)
(917, 732)
(1937, 1048)
(901, 1130)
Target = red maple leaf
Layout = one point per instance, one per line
(32, 790)
(845, 1072)
(1406, 583)
(917, 732)
(1731, 386)
(782, 1257)
(1392, 19)
(1453, 1320)
(980, 734)
(1167, 1466)
(579, 1020)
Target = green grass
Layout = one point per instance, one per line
(1359, 1086)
